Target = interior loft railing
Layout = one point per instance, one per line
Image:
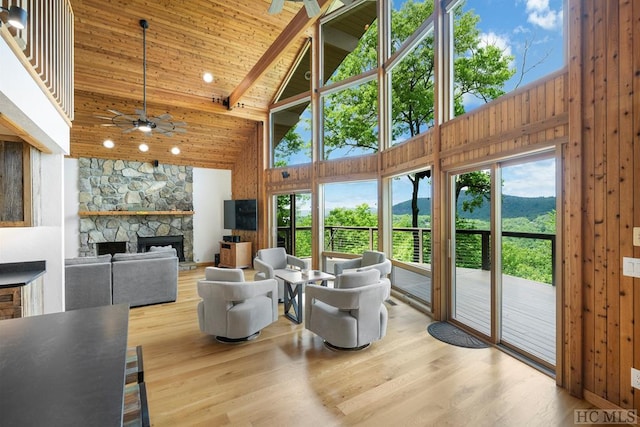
(45, 47)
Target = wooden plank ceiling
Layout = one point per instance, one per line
(184, 39)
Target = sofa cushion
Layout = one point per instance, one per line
(88, 260)
(161, 248)
(144, 255)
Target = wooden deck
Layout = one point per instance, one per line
(528, 307)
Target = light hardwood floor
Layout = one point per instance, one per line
(288, 378)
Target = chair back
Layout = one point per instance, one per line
(372, 257)
(216, 274)
(357, 279)
(275, 257)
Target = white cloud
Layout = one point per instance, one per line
(542, 15)
(501, 42)
(532, 179)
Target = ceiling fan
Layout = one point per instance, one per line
(312, 7)
(162, 124)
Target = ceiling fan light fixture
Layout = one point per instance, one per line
(162, 124)
(143, 147)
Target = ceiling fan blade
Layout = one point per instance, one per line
(276, 6)
(103, 117)
(312, 6)
(179, 123)
(123, 116)
(107, 124)
(180, 130)
(165, 116)
(129, 130)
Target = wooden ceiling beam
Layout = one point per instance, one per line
(298, 25)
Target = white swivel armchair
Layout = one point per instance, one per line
(234, 310)
(351, 315)
(268, 261)
(368, 260)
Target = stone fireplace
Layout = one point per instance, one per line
(122, 201)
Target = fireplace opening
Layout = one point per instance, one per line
(103, 248)
(177, 242)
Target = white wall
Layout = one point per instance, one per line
(210, 188)
(23, 102)
(71, 201)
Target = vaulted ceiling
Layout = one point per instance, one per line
(184, 39)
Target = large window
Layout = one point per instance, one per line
(494, 55)
(291, 135)
(350, 216)
(351, 121)
(350, 43)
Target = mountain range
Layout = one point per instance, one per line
(512, 207)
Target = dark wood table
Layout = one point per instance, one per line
(64, 369)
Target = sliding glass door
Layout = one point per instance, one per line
(502, 264)
(470, 244)
(528, 292)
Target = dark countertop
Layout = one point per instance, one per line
(64, 369)
(20, 273)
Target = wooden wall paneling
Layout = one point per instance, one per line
(599, 167)
(572, 373)
(550, 103)
(626, 187)
(588, 136)
(635, 28)
(612, 255)
(244, 182)
(349, 168)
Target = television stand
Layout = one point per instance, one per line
(235, 255)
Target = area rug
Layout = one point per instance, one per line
(450, 334)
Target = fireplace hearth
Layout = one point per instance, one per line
(177, 242)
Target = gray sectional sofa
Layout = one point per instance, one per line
(137, 279)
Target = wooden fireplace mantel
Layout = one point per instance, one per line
(133, 213)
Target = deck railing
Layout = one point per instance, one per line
(47, 45)
(473, 248)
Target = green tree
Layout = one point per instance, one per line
(350, 116)
(476, 184)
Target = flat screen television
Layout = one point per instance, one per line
(241, 214)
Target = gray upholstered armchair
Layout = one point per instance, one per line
(368, 260)
(234, 310)
(351, 315)
(268, 261)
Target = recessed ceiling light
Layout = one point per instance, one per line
(143, 147)
(207, 77)
(175, 150)
(108, 143)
